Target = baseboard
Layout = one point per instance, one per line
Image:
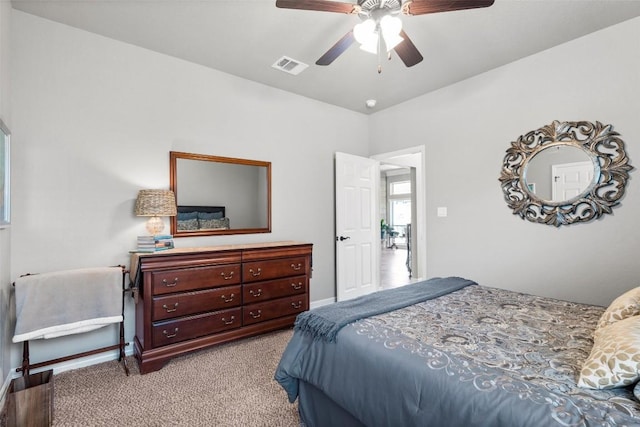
(320, 303)
(83, 362)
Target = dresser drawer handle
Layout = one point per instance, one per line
(227, 276)
(170, 310)
(296, 306)
(168, 335)
(297, 287)
(256, 314)
(229, 299)
(255, 273)
(256, 293)
(230, 321)
(170, 285)
(296, 267)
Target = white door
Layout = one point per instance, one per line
(357, 226)
(570, 179)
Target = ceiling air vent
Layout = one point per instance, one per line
(289, 65)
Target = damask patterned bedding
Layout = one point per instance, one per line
(478, 356)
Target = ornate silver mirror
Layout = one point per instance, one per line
(565, 172)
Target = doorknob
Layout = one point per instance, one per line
(342, 238)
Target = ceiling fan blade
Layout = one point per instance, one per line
(320, 5)
(422, 7)
(407, 51)
(337, 49)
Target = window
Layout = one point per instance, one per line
(399, 187)
(400, 212)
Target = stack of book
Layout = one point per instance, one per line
(154, 243)
(163, 242)
(146, 244)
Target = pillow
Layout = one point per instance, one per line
(188, 224)
(209, 215)
(615, 357)
(626, 305)
(187, 215)
(214, 223)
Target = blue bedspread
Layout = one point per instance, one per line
(478, 356)
(325, 322)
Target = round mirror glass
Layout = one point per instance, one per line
(559, 173)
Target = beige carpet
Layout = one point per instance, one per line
(227, 385)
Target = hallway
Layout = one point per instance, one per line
(393, 269)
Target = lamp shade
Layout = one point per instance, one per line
(365, 32)
(391, 27)
(156, 203)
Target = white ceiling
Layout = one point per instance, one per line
(245, 37)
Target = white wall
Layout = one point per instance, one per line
(94, 121)
(5, 233)
(467, 128)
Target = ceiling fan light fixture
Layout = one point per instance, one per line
(370, 46)
(365, 32)
(391, 26)
(391, 40)
(368, 32)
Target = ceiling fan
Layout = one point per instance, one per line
(381, 28)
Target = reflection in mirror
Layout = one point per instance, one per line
(559, 173)
(220, 195)
(591, 154)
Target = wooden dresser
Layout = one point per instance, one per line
(189, 299)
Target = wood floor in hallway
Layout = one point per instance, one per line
(393, 268)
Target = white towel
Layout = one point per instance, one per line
(67, 302)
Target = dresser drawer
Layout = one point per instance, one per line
(272, 269)
(270, 289)
(171, 331)
(170, 281)
(184, 304)
(259, 312)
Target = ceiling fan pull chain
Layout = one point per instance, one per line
(379, 50)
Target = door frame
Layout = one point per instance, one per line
(414, 157)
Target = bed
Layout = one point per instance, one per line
(192, 218)
(462, 355)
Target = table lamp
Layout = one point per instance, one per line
(155, 204)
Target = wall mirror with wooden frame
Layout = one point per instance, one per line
(219, 195)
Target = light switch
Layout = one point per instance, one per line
(442, 211)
